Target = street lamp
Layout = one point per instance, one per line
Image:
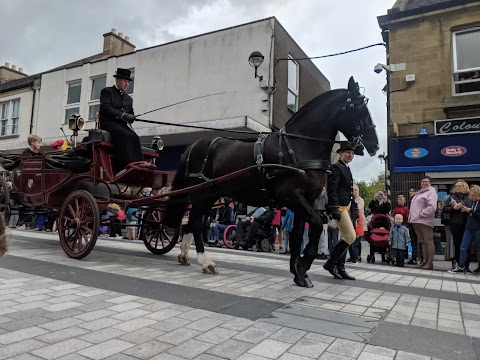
(384, 160)
(256, 59)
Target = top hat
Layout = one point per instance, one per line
(123, 74)
(345, 146)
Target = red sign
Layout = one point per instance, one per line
(453, 151)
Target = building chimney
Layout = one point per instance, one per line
(14, 67)
(116, 44)
(7, 65)
(20, 69)
(127, 38)
(10, 72)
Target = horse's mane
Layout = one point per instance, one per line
(312, 104)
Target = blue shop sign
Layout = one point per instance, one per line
(436, 153)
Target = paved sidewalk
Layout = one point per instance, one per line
(123, 303)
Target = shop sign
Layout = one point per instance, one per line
(457, 126)
(454, 151)
(416, 153)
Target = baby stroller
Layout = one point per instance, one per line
(377, 237)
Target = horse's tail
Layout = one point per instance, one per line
(3, 237)
(176, 205)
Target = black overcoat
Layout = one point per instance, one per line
(127, 146)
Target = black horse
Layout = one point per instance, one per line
(301, 150)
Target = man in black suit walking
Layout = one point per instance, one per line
(342, 208)
(116, 117)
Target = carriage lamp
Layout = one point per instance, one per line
(159, 142)
(256, 59)
(76, 123)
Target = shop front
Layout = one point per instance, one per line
(452, 153)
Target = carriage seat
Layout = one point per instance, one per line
(103, 135)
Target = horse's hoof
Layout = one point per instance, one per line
(210, 269)
(183, 260)
(300, 268)
(308, 282)
(300, 282)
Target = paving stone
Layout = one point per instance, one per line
(371, 356)
(102, 335)
(122, 299)
(121, 357)
(194, 315)
(308, 348)
(346, 347)
(156, 306)
(230, 349)
(166, 356)
(125, 306)
(163, 314)
(61, 335)
(248, 356)
(141, 335)
(321, 338)
(176, 337)
(253, 335)
(170, 324)
(57, 315)
(25, 357)
(19, 335)
(95, 315)
(73, 357)
(207, 357)
(238, 324)
(402, 355)
(134, 324)
(99, 324)
(216, 336)
(25, 323)
(190, 349)
(205, 324)
(148, 349)
(270, 348)
(331, 356)
(288, 356)
(130, 314)
(288, 335)
(62, 348)
(106, 349)
(60, 324)
(20, 348)
(379, 350)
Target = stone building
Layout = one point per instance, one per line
(433, 84)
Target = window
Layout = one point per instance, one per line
(292, 96)
(9, 117)
(98, 84)
(132, 83)
(466, 61)
(74, 91)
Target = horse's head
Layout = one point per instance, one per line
(355, 122)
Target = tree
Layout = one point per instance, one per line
(367, 190)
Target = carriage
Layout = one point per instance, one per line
(77, 185)
(288, 168)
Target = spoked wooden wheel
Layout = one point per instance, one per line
(4, 201)
(78, 224)
(157, 237)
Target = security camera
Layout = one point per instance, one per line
(379, 67)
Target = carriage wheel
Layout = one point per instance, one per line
(229, 236)
(158, 238)
(78, 224)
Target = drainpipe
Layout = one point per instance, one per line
(33, 108)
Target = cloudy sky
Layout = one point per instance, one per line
(42, 34)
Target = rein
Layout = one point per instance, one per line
(237, 131)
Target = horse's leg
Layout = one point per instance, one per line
(196, 223)
(300, 265)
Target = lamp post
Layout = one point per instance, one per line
(384, 160)
(256, 59)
